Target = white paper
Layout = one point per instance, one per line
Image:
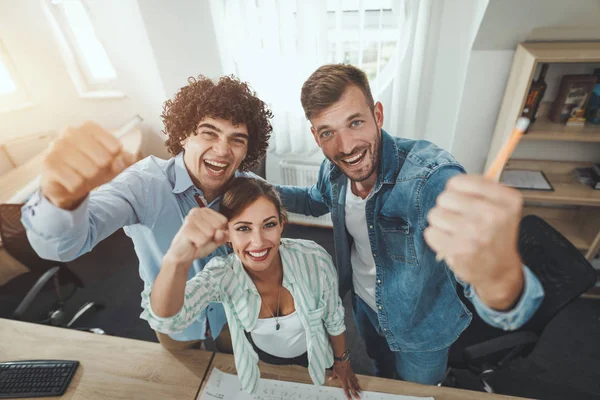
(224, 386)
(524, 179)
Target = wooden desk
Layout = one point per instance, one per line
(110, 367)
(225, 363)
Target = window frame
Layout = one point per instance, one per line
(19, 99)
(74, 60)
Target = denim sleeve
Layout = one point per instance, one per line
(531, 298)
(532, 294)
(62, 235)
(308, 200)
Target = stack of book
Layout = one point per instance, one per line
(589, 176)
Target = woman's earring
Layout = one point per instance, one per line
(229, 248)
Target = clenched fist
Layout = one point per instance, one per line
(80, 160)
(201, 233)
(474, 227)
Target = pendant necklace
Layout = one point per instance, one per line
(277, 326)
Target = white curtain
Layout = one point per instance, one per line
(276, 44)
(275, 47)
(406, 118)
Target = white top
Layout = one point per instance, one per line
(361, 255)
(287, 342)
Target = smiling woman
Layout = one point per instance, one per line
(280, 295)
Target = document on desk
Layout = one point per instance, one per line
(224, 386)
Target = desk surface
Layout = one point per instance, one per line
(125, 369)
(110, 367)
(225, 363)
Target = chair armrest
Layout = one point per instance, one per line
(483, 351)
(34, 291)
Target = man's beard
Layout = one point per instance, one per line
(375, 160)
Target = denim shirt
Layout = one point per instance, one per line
(417, 304)
(149, 200)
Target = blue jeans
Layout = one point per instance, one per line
(426, 367)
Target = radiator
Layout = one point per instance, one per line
(298, 173)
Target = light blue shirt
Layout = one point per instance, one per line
(150, 201)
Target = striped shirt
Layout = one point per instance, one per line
(310, 277)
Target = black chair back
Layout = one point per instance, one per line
(562, 270)
(15, 241)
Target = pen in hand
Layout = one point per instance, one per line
(496, 167)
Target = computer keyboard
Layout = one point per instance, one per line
(35, 378)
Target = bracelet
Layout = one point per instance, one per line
(344, 357)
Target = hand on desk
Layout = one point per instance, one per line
(342, 370)
(474, 227)
(80, 160)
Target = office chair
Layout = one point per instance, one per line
(483, 353)
(43, 273)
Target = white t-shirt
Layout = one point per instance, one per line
(287, 342)
(361, 255)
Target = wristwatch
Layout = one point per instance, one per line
(345, 357)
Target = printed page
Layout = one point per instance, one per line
(224, 386)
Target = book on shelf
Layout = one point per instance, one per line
(589, 176)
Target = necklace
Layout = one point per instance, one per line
(277, 326)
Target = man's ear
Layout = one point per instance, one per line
(314, 133)
(378, 112)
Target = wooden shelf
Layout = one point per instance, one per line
(567, 189)
(572, 231)
(563, 52)
(572, 208)
(577, 224)
(544, 129)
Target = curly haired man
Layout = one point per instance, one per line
(216, 130)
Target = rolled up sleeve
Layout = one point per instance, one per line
(528, 304)
(199, 292)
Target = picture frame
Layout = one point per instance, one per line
(572, 98)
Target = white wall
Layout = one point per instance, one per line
(506, 23)
(183, 39)
(458, 25)
(29, 40)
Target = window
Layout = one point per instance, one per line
(6, 83)
(85, 56)
(13, 94)
(365, 34)
(92, 55)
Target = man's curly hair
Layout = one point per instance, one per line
(229, 99)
